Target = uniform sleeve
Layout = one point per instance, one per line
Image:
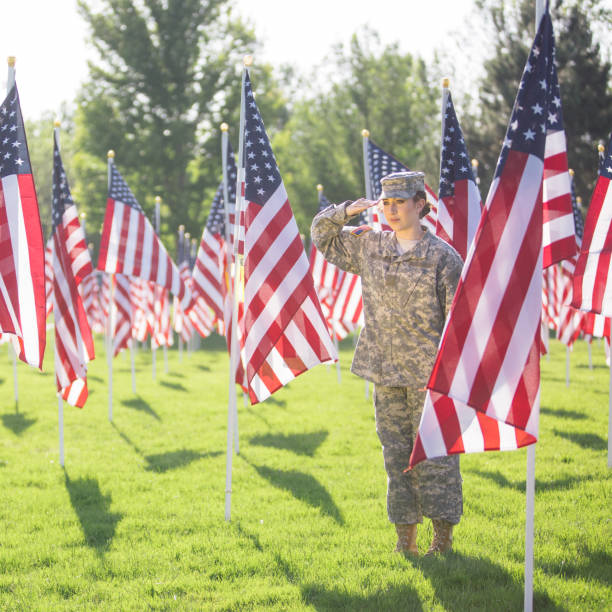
(337, 245)
(449, 272)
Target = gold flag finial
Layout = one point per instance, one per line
(446, 82)
(365, 133)
(319, 187)
(475, 163)
(248, 60)
(601, 148)
(158, 199)
(224, 127)
(11, 61)
(110, 154)
(571, 172)
(56, 123)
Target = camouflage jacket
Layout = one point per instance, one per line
(406, 297)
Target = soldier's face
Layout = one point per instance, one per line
(402, 214)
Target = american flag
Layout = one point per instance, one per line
(182, 323)
(22, 249)
(129, 244)
(71, 264)
(592, 277)
(558, 238)
(571, 320)
(162, 326)
(285, 332)
(459, 203)
(209, 272)
(483, 393)
(381, 163)
(123, 313)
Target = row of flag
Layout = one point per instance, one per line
(484, 389)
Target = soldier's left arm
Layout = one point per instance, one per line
(447, 278)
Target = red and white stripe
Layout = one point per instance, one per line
(284, 327)
(559, 234)
(162, 327)
(458, 216)
(202, 317)
(208, 271)
(122, 315)
(73, 341)
(22, 268)
(593, 275)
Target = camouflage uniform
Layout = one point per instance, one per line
(405, 300)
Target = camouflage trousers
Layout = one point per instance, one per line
(432, 488)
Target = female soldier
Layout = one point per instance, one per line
(408, 278)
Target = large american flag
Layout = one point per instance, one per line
(483, 393)
(459, 203)
(381, 163)
(129, 244)
(71, 265)
(592, 277)
(285, 332)
(22, 249)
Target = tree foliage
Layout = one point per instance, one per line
(584, 78)
(371, 86)
(166, 78)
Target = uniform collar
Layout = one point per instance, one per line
(418, 252)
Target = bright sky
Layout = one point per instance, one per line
(48, 37)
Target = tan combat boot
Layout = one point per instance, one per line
(443, 537)
(406, 539)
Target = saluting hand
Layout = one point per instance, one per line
(359, 206)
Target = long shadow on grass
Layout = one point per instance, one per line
(481, 578)
(564, 414)
(300, 443)
(541, 485)
(172, 385)
(276, 402)
(586, 440)
(93, 510)
(595, 567)
(176, 459)
(137, 403)
(164, 462)
(317, 596)
(17, 422)
(302, 486)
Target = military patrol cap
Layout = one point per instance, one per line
(402, 184)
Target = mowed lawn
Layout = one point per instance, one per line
(136, 519)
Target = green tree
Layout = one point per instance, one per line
(372, 86)
(166, 78)
(585, 80)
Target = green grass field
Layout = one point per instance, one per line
(136, 519)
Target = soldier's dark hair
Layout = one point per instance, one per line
(421, 195)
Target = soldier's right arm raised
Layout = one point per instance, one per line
(344, 247)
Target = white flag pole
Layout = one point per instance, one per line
(369, 195)
(567, 366)
(248, 60)
(110, 322)
(445, 92)
(224, 151)
(131, 343)
(153, 348)
(181, 239)
(60, 401)
(10, 81)
(530, 479)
